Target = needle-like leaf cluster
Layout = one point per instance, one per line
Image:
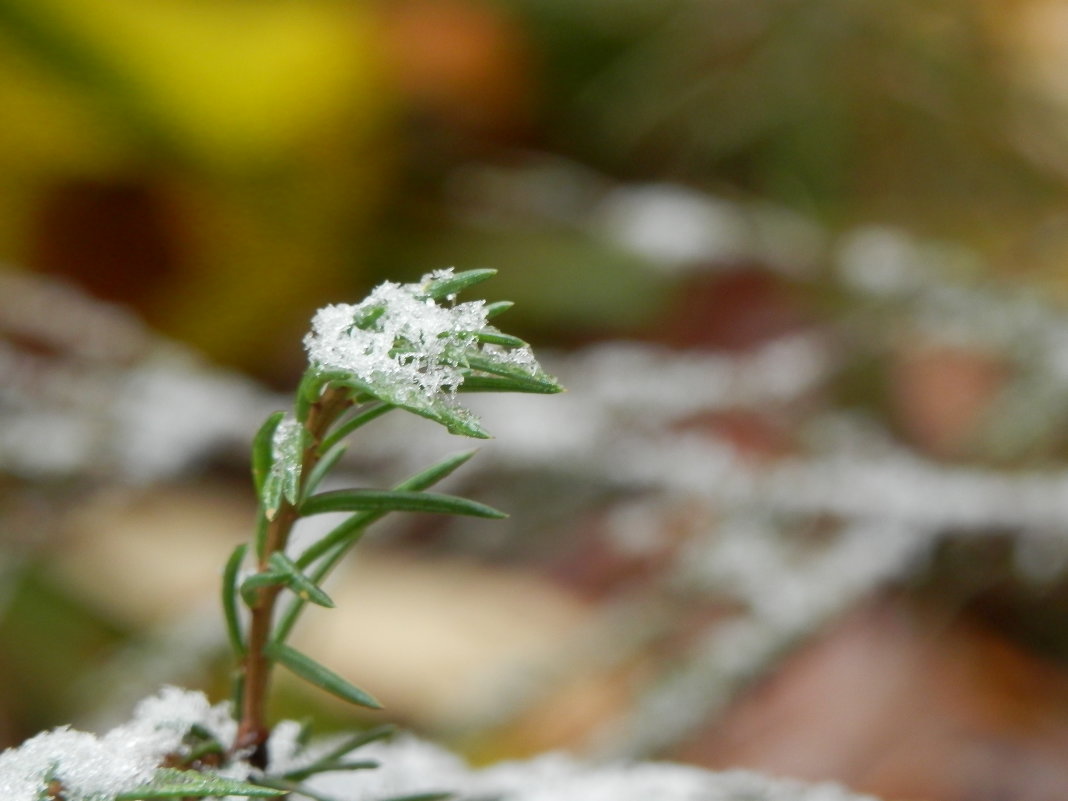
(411, 347)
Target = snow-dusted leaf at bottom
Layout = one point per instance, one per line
(169, 783)
(91, 768)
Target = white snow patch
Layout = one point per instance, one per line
(414, 346)
(97, 769)
(410, 766)
(287, 451)
(91, 767)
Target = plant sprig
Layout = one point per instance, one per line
(410, 347)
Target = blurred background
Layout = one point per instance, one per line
(801, 265)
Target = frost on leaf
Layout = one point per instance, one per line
(287, 452)
(407, 349)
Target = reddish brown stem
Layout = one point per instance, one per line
(256, 667)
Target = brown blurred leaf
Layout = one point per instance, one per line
(905, 710)
(942, 392)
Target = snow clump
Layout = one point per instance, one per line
(90, 767)
(399, 337)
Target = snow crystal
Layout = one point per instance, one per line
(83, 763)
(410, 342)
(287, 452)
(179, 710)
(91, 767)
(408, 348)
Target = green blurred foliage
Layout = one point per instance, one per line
(847, 109)
(49, 638)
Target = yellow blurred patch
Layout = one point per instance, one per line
(234, 84)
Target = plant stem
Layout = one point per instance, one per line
(256, 667)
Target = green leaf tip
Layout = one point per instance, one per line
(326, 767)
(303, 586)
(497, 308)
(262, 456)
(314, 673)
(294, 787)
(447, 285)
(351, 530)
(368, 317)
(253, 584)
(497, 338)
(229, 599)
(361, 500)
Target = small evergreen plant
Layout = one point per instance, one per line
(409, 347)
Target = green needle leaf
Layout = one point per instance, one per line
(294, 787)
(456, 421)
(330, 458)
(229, 599)
(262, 455)
(420, 481)
(303, 586)
(324, 767)
(498, 338)
(171, 783)
(438, 409)
(344, 536)
(360, 500)
(203, 750)
(358, 740)
(310, 670)
(494, 309)
(334, 759)
(494, 383)
(287, 455)
(443, 287)
(257, 581)
(369, 316)
(435, 473)
(493, 337)
(237, 692)
(538, 382)
(261, 532)
(296, 606)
